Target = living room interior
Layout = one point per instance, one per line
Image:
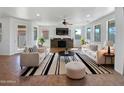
(61, 46)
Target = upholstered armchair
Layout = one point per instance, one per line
(29, 59)
(33, 58)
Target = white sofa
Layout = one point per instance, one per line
(97, 54)
(33, 58)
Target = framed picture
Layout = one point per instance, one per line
(45, 34)
(35, 33)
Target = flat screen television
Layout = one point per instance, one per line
(61, 31)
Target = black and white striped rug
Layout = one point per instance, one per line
(51, 65)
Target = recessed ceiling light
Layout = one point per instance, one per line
(88, 15)
(37, 14)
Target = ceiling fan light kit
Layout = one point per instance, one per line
(65, 22)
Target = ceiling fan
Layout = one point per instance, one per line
(65, 22)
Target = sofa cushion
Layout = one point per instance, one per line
(26, 50)
(34, 49)
(93, 47)
(30, 49)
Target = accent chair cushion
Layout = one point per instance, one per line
(34, 49)
(93, 47)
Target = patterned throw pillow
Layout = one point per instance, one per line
(30, 49)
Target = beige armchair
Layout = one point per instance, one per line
(29, 59)
(33, 58)
(97, 56)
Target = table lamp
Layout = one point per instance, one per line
(109, 44)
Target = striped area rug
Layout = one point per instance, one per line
(51, 65)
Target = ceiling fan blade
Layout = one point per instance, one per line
(65, 22)
(69, 23)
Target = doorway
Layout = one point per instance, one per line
(21, 39)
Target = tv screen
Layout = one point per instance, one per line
(61, 31)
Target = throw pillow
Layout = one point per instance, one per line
(26, 50)
(30, 49)
(34, 48)
(93, 47)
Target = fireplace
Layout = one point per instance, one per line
(62, 44)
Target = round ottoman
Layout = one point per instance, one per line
(75, 70)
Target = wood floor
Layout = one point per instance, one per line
(10, 75)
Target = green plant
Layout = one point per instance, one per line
(82, 40)
(41, 40)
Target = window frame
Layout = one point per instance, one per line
(35, 29)
(107, 36)
(100, 32)
(87, 33)
(24, 27)
(80, 34)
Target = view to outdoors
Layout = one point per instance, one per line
(77, 33)
(97, 33)
(88, 33)
(111, 30)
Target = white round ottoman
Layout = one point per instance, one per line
(75, 70)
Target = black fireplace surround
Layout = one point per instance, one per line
(62, 44)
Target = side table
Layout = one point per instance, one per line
(106, 55)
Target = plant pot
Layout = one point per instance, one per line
(40, 45)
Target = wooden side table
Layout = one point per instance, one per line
(106, 55)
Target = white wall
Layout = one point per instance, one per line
(103, 21)
(119, 54)
(52, 33)
(14, 34)
(5, 43)
(8, 46)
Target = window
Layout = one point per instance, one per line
(88, 33)
(21, 36)
(97, 33)
(35, 33)
(77, 34)
(111, 30)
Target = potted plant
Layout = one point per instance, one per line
(40, 41)
(82, 41)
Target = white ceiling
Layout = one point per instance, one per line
(55, 15)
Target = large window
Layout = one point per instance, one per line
(21, 36)
(97, 33)
(77, 34)
(111, 30)
(88, 33)
(35, 33)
